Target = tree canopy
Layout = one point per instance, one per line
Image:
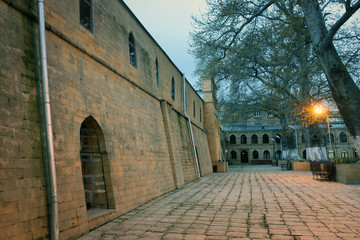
(292, 52)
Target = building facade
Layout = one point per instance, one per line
(127, 126)
(259, 140)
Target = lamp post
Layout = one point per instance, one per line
(320, 110)
(281, 147)
(296, 140)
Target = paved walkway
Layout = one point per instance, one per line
(251, 202)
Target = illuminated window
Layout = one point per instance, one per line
(344, 153)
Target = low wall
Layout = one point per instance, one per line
(301, 166)
(348, 173)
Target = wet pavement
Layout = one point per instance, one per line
(247, 202)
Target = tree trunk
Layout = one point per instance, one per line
(344, 90)
(315, 143)
(288, 141)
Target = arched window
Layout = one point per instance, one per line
(265, 138)
(194, 111)
(254, 139)
(266, 155)
(132, 49)
(331, 154)
(232, 139)
(332, 138)
(243, 139)
(277, 138)
(94, 165)
(173, 88)
(344, 153)
(304, 154)
(255, 154)
(343, 138)
(302, 138)
(233, 155)
(157, 72)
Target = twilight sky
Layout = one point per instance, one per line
(169, 22)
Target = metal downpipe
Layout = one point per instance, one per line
(54, 206)
(191, 132)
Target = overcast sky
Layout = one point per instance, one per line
(169, 22)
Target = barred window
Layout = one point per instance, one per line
(157, 72)
(132, 49)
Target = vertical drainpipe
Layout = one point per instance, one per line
(54, 207)
(191, 132)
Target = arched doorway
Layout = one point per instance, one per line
(92, 164)
(244, 157)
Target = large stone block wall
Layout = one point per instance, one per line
(203, 151)
(90, 78)
(132, 125)
(22, 190)
(182, 146)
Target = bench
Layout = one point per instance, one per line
(322, 171)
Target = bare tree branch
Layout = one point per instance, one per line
(340, 22)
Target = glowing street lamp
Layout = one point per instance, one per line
(318, 110)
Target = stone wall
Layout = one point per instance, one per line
(143, 136)
(22, 189)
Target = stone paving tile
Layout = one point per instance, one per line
(247, 202)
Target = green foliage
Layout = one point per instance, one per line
(347, 160)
